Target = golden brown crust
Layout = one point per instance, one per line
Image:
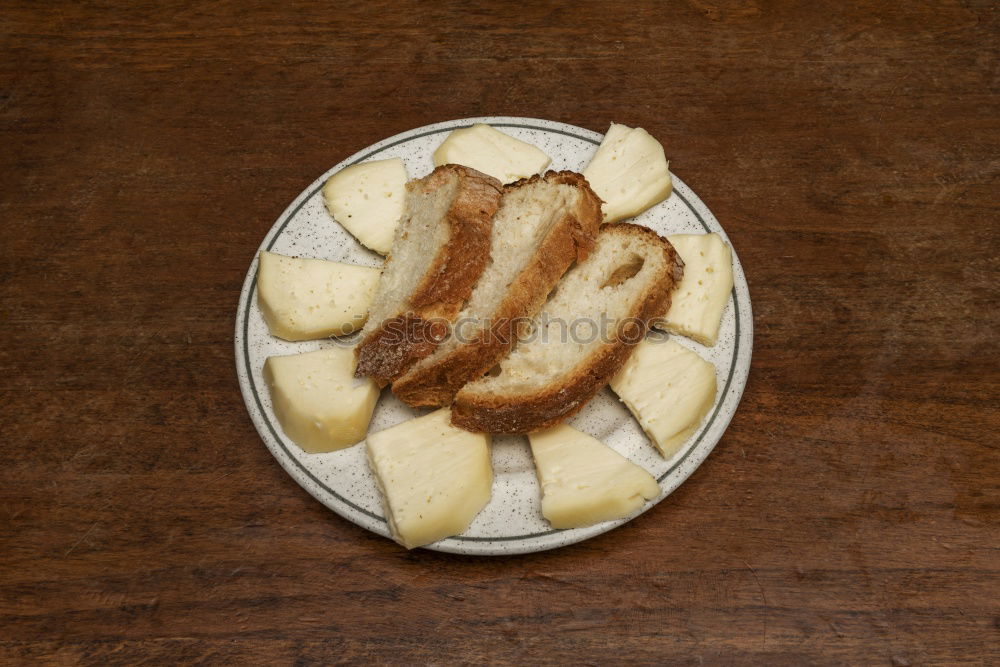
(399, 342)
(456, 268)
(588, 212)
(555, 403)
(570, 239)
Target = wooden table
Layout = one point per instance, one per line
(850, 513)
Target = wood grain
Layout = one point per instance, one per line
(850, 513)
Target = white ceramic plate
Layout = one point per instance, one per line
(512, 523)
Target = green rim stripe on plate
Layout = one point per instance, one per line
(317, 481)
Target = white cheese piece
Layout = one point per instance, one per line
(434, 477)
(629, 172)
(367, 199)
(697, 302)
(584, 481)
(669, 389)
(305, 299)
(492, 152)
(319, 403)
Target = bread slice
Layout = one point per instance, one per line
(441, 246)
(585, 332)
(544, 224)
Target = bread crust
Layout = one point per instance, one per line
(454, 271)
(398, 343)
(570, 239)
(437, 299)
(553, 404)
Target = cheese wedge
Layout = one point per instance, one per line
(698, 301)
(584, 481)
(492, 152)
(367, 199)
(305, 299)
(434, 477)
(669, 389)
(629, 172)
(319, 403)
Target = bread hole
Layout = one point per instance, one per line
(493, 372)
(626, 271)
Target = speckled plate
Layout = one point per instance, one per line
(512, 523)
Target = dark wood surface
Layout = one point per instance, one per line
(850, 513)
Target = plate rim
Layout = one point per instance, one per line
(694, 454)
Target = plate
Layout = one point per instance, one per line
(512, 523)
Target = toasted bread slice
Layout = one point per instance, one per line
(441, 246)
(544, 224)
(583, 335)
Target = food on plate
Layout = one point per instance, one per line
(440, 249)
(584, 333)
(544, 224)
(506, 308)
(492, 152)
(584, 481)
(696, 309)
(367, 199)
(305, 299)
(629, 172)
(434, 478)
(319, 403)
(669, 389)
